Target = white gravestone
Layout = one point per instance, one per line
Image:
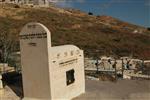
(49, 73)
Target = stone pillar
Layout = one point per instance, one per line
(35, 42)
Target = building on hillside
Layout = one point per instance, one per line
(29, 2)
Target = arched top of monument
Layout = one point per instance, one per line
(34, 28)
(64, 48)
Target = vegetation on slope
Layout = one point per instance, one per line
(96, 35)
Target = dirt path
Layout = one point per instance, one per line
(122, 90)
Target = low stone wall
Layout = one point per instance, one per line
(4, 68)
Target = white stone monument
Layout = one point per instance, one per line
(49, 73)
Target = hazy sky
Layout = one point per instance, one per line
(133, 11)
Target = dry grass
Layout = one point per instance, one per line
(108, 35)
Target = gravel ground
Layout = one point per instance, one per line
(120, 90)
(8, 94)
(103, 90)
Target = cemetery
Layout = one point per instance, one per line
(49, 72)
(49, 52)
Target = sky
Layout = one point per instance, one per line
(133, 11)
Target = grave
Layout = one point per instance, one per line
(49, 73)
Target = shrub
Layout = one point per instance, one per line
(148, 28)
(16, 6)
(90, 13)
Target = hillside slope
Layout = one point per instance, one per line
(101, 35)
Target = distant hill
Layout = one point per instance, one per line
(96, 35)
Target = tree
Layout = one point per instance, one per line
(7, 46)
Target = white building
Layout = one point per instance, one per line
(29, 2)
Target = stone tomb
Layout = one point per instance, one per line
(49, 73)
